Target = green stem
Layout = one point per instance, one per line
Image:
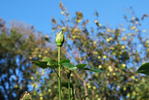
(59, 72)
(69, 89)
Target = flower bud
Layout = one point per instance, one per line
(60, 38)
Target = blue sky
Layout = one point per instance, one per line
(39, 12)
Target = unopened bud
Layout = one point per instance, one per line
(60, 38)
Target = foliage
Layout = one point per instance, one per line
(144, 69)
(61, 64)
(117, 51)
(88, 44)
(16, 45)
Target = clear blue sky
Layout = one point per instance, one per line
(39, 12)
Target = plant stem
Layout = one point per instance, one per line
(69, 89)
(59, 72)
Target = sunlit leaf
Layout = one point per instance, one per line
(46, 59)
(69, 66)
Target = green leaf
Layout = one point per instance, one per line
(144, 69)
(64, 61)
(46, 62)
(46, 59)
(50, 62)
(80, 66)
(41, 64)
(69, 66)
(93, 70)
(83, 67)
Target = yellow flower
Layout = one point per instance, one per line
(104, 56)
(99, 66)
(133, 93)
(88, 85)
(46, 51)
(123, 47)
(132, 77)
(95, 52)
(94, 42)
(124, 88)
(71, 75)
(32, 78)
(49, 90)
(96, 95)
(94, 87)
(99, 57)
(99, 99)
(41, 98)
(128, 95)
(114, 74)
(39, 56)
(123, 65)
(110, 68)
(108, 74)
(40, 94)
(107, 40)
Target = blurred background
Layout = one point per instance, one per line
(109, 35)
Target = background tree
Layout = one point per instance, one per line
(117, 51)
(16, 44)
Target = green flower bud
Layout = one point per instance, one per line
(60, 38)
